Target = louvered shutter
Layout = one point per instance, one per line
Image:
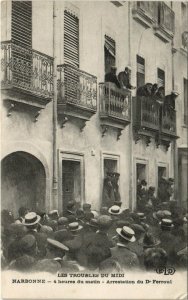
(21, 35)
(140, 71)
(109, 53)
(160, 77)
(71, 39)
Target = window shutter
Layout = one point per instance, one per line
(21, 36)
(22, 23)
(160, 77)
(140, 71)
(71, 39)
(109, 53)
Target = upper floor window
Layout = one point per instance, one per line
(140, 74)
(109, 53)
(185, 87)
(71, 39)
(160, 78)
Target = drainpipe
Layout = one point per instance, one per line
(55, 185)
(131, 177)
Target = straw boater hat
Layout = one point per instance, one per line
(115, 210)
(31, 219)
(166, 223)
(74, 226)
(158, 215)
(126, 233)
(57, 244)
(53, 213)
(141, 216)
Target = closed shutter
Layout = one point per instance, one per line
(22, 23)
(21, 36)
(140, 71)
(71, 39)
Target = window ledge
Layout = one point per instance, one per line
(164, 34)
(142, 17)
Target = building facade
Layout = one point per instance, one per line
(63, 126)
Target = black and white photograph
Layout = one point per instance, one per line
(94, 149)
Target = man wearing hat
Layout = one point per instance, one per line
(71, 209)
(124, 79)
(116, 187)
(112, 77)
(122, 252)
(53, 215)
(22, 211)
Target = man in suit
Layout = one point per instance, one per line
(124, 79)
(122, 252)
(112, 77)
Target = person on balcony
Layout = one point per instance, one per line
(112, 77)
(124, 79)
(145, 90)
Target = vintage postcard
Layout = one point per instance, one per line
(94, 150)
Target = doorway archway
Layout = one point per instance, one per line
(23, 182)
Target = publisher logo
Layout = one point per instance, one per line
(166, 271)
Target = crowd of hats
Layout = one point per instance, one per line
(82, 239)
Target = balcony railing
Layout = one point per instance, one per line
(147, 113)
(168, 123)
(114, 102)
(166, 17)
(27, 70)
(148, 7)
(76, 87)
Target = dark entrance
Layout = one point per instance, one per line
(110, 165)
(23, 182)
(71, 182)
(161, 173)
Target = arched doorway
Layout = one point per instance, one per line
(23, 182)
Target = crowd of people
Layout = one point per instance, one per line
(81, 239)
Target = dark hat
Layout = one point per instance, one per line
(152, 188)
(71, 204)
(126, 233)
(116, 174)
(71, 219)
(171, 179)
(61, 235)
(22, 263)
(137, 228)
(17, 229)
(31, 219)
(74, 226)
(53, 224)
(46, 229)
(115, 210)
(74, 245)
(47, 265)
(27, 242)
(150, 241)
(57, 244)
(86, 206)
(121, 223)
(104, 221)
(104, 210)
(166, 223)
(62, 221)
(80, 213)
(88, 215)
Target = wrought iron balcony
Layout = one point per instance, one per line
(26, 71)
(77, 92)
(166, 22)
(145, 12)
(168, 121)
